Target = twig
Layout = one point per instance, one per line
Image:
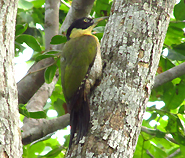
(66, 4)
(153, 133)
(175, 153)
(31, 72)
(149, 154)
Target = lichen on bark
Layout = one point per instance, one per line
(131, 48)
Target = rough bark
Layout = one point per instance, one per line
(131, 48)
(51, 21)
(10, 135)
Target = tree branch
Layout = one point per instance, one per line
(49, 126)
(36, 103)
(169, 75)
(154, 131)
(51, 22)
(44, 128)
(174, 154)
(32, 82)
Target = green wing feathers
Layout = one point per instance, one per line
(78, 55)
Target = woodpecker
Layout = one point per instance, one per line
(81, 67)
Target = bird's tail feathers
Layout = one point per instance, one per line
(79, 120)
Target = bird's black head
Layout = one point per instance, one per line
(82, 23)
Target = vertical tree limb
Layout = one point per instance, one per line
(131, 48)
(51, 21)
(10, 136)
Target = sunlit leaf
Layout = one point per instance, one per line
(37, 114)
(53, 153)
(23, 4)
(20, 29)
(58, 39)
(30, 41)
(179, 11)
(50, 73)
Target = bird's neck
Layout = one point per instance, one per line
(80, 32)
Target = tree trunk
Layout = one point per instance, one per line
(131, 49)
(10, 134)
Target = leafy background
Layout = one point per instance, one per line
(163, 131)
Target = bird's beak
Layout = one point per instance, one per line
(97, 20)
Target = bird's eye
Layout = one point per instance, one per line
(86, 20)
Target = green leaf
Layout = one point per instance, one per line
(64, 8)
(47, 55)
(172, 126)
(182, 148)
(24, 4)
(152, 117)
(53, 153)
(20, 29)
(174, 35)
(182, 109)
(30, 41)
(160, 134)
(157, 152)
(52, 52)
(58, 39)
(38, 16)
(38, 3)
(44, 56)
(67, 138)
(23, 110)
(175, 54)
(165, 64)
(175, 96)
(57, 93)
(179, 50)
(102, 8)
(179, 138)
(162, 142)
(179, 11)
(36, 148)
(50, 73)
(37, 114)
(99, 29)
(52, 142)
(58, 107)
(18, 48)
(25, 17)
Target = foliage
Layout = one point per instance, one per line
(165, 126)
